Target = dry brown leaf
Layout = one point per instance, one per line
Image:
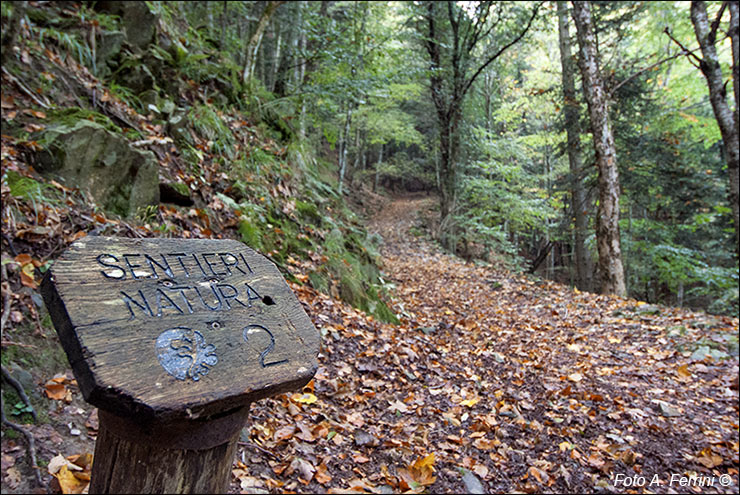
(69, 482)
(284, 433)
(322, 476)
(55, 391)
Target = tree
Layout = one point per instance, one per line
(583, 263)
(607, 222)
(256, 39)
(452, 36)
(10, 29)
(709, 65)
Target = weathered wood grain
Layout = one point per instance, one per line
(169, 329)
(126, 465)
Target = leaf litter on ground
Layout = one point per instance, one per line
(529, 387)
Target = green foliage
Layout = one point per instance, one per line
(71, 43)
(660, 264)
(29, 189)
(353, 269)
(208, 124)
(69, 116)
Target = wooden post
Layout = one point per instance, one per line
(172, 340)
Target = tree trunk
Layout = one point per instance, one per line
(607, 225)
(276, 60)
(256, 39)
(448, 180)
(302, 119)
(727, 120)
(18, 10)
(358, 149)
(583, 264)
(343, 149)
(449, 35)
(223, 26)
(377, 168)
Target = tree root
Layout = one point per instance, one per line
(21, 393)
(31, 444)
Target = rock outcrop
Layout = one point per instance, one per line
(119, 177)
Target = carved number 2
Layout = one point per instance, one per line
(256, 328)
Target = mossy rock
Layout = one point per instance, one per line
(108, 48)
(139, 23)
(90, 157)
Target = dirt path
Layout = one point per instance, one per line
(394, 219)
(534, 386)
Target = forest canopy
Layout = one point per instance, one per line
(586, 142)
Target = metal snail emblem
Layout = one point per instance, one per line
(183, 353)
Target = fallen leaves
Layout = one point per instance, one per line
(72, 472)
(28, 269)
(57, 388)
(398, 406)
(709, 459)
(305, 398)
(575, 377)
(419, 474)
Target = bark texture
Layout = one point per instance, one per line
(583, 263)
(727, 120)
(607, 222)
(124, 463)
(254, 42)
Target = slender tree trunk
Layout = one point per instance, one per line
(299, 67)
(276, 60)
(343, 149)
(734, 33)
(222, 34)
(583, 264)
(302, 119)
(358, 149)
(607, 225)
(256, 40)
(9, 34)
(436, 170)
(727, 120)
(377, 169)
(488, 90)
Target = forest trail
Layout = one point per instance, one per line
(535, 386)
(491, 382)
(397, 215)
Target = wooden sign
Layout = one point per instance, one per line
(169, 329)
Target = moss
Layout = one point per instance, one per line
(384, 313)
(68, 117)
(29, 189)
(318, 281)
(251, 235)
(308, 212)
(118, 201)
(181, 187)
(352, 291)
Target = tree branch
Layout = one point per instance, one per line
(712, 36)
(625, 81)
(502, 49)
(685, 51)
